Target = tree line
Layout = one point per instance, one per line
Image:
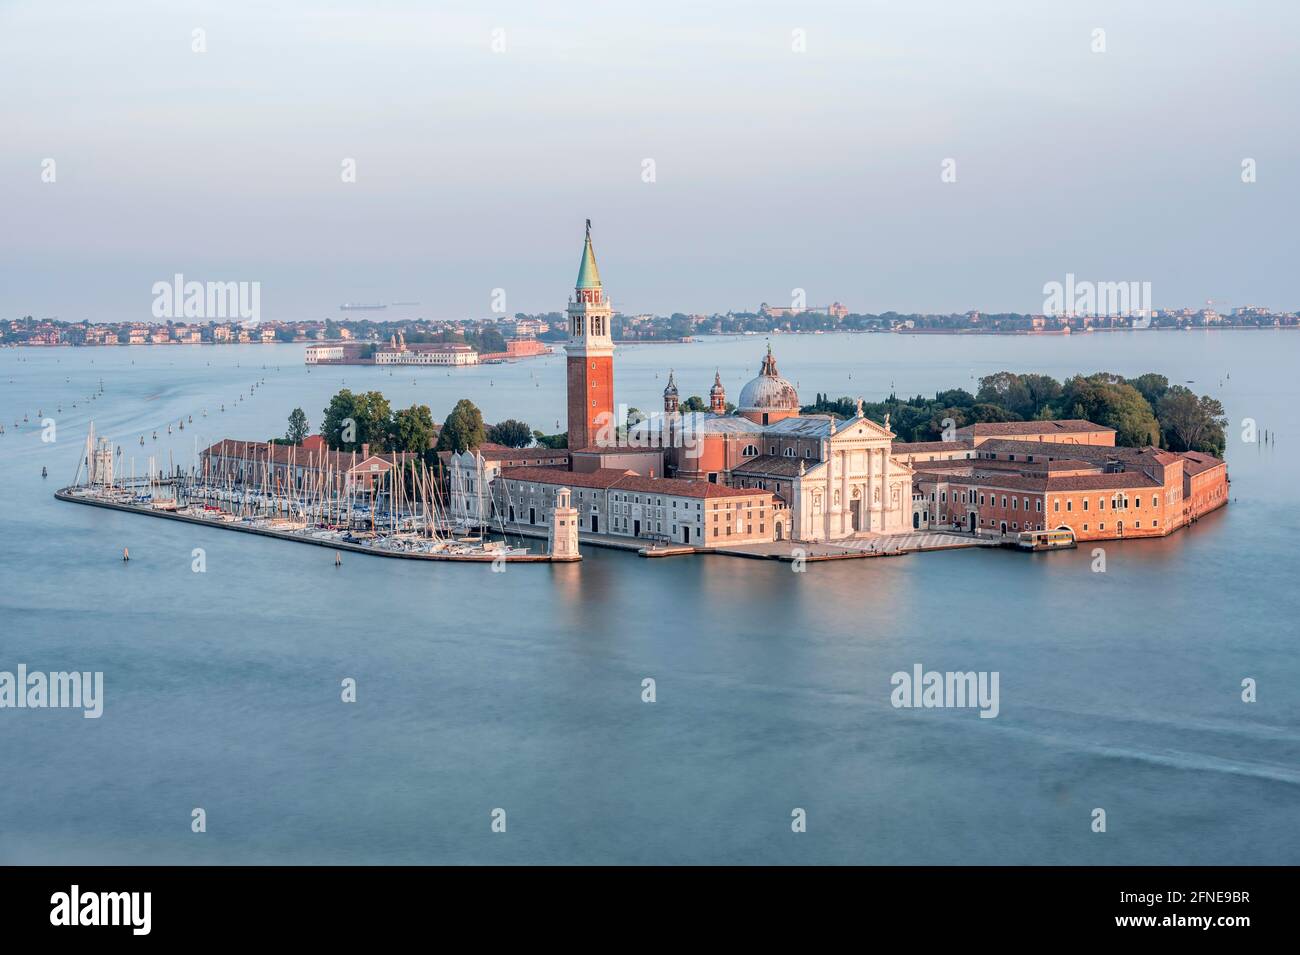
(351, 420)
(1144, 411)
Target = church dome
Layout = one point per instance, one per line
(769, 391)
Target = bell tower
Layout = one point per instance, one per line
(590, 358)
(718, 395)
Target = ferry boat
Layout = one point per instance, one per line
(1046, 540)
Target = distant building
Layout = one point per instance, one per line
(517, 348)
(332, 351)
(437, 354)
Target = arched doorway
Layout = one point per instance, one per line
(916, 520)
(1004, 528)
(970, 522)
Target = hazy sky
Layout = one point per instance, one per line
(774, 169)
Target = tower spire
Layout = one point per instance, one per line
(717, 395)
(588, 274)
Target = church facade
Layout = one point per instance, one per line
(834, 478)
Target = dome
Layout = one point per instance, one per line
(671, 390)
(769, 391)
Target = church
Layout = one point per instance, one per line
(835, 478)
(763, 473)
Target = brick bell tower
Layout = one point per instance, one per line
(591, 358)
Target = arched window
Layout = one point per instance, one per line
(749, 451)
(789, 452)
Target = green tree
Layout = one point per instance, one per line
(412, 430)
(1110, 401)
(486, 340)
(1189, 423)
(463, 430)
(298, 427)
(556, 441)
(511, 433)
(694, 403)
(352, 420)
(1151, 386)
(338, 424)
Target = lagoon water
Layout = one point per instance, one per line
(1118, 690)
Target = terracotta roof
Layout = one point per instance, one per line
(1114, 480)
(1095, 453)
(985, 465)
(1063, 426)
(920, 447)
(614, 479)
(1197, 461)
(773, 465)
(499, 452)
(301, 457)
(593, 449)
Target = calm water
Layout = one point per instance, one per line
(522, 690)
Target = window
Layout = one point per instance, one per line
(749, 451)
(789, 452)
(1085, 503)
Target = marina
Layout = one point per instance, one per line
(399, 518)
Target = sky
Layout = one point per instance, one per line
(796, 145)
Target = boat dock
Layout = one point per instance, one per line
(297, 535)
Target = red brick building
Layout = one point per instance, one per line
(621, 503)
(1096, 491)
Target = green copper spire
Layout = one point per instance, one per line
(588, 274)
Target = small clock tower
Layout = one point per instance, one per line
(590, 358)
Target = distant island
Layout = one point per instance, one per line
(491, 336)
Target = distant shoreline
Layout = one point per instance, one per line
(928, 332)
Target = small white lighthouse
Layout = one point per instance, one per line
(564, 527)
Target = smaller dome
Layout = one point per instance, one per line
(717, 388)
(672, 386)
